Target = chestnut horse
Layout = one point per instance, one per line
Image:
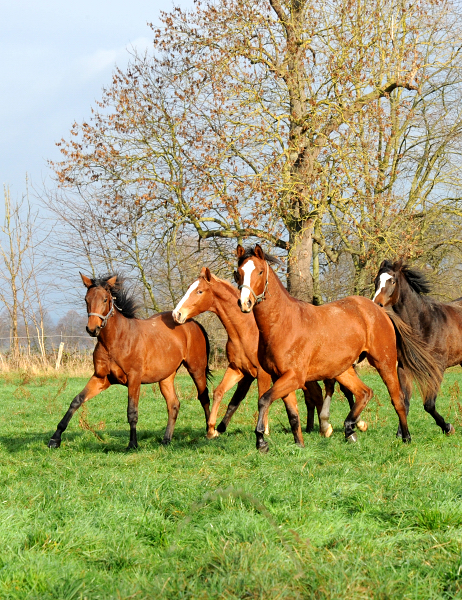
(133, 351)
(402, 291)
(300, 342)
(209, 292)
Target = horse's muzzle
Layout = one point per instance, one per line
(95, 331)
(178, 317)
(245, 306)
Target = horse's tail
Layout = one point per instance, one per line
(208, 370)
(425, 369)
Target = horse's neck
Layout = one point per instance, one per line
(269, 314)
(410, 304)
(111, 333)
(226, 308)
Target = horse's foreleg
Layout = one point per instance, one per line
(361, 425)
(362, 394)
(264, 383)
(239, 395)
(167, 389)
(291, 405)
(134, 387)
(282, 387)
(230, 378)
(325, 427)
(92, 389)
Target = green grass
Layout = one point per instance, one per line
(216, 519)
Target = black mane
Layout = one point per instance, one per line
(417, 280)
(249, 252)
(124, 298)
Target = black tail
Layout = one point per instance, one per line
(208, 371)
(425, 369)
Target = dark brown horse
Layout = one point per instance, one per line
(403, 291)
(133, 351)
(299, 343)
(210, 293)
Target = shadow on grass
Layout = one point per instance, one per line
(111, 440)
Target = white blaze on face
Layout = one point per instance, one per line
(191, 289)
(382, 281)
(247, 268)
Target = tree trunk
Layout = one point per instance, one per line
(299, 279)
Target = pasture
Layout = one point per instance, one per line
(215, 519)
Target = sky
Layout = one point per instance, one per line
(55, 58)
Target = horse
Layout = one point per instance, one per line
(402, 291)
(132, 351)
(300, 342)
(210, 293)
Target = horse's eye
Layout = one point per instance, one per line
(105, 299)
(199, 291)
(261, 272)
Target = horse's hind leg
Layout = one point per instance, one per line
(405, 383)
(388, 373)
(361, 392)
(167, 389)
(199, 377)
(241, 392)
(230, 378)
(92, 389)
(429, 406)
(291, 405)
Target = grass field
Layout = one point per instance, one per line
(216, 519)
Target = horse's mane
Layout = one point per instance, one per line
(124, 299)
(416, 279)
(249, 252)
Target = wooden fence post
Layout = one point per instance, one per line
(60, 355)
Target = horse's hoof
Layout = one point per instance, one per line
(451, 430)
(267, 431)
(221, 427)
(212, 434)
(54, 443)
(166, 441)
(407, 440)
(362, 425)
(352, 438)
(329, 431)
(263, 447)
(129, 448)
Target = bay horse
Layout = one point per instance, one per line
(210, 293)
(132, 351)
(403, 290)
(300, 342)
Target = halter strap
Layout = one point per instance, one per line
(104, 318)
(261, 296)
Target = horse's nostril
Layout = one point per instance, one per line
(380, 304)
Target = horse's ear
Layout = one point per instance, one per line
(87, 282)
(382, 264)
(398, 264)
(240, 251)
(259, 252)
(205, 273)
(111, 282)
(236, 277)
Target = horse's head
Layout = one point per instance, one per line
(387, 283)
(198, 298)
(100, 304)
(251, 277)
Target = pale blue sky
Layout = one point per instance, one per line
(55, 57)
